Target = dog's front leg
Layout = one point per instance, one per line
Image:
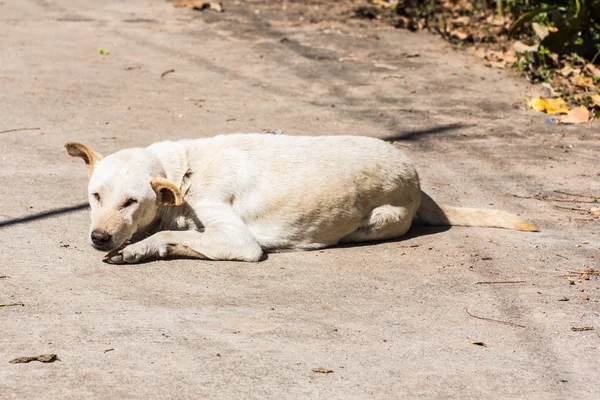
(226, 237)
(159, 245)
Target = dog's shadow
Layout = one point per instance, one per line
(417, 229)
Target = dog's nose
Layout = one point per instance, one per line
(100, 238)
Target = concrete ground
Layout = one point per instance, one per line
(389, 319)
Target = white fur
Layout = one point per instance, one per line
(248, 193)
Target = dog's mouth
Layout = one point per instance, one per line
(104, 247)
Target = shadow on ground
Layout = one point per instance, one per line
(43, 215)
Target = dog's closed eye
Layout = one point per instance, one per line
(129, 202)
(97, 197)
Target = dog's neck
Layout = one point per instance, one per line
(174, 162)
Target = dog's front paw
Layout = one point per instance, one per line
(128, 255)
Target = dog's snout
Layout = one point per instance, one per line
(100, 238)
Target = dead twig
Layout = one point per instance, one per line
(494, 320)
(20, 129)
(162, 76)
(12, 304)
(4, 276)
(538, 197)
(584, 219)
(571, 208)
(493, 282)
(558, 255)
(573, 194)
(583, 328)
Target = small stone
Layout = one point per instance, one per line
(585, 276)
(571, 281)
(585, 297)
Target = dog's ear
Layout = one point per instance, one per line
(167, 194)
(82, 151)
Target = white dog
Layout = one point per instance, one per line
(233, 197)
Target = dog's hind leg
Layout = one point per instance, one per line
(384, 222)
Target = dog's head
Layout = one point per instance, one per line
(125, 192)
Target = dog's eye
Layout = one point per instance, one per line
(128, 203)
(96, 196)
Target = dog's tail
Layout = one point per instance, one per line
(435, 214)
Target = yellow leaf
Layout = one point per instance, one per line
(577, 115)
(595, 98)
(551, 106)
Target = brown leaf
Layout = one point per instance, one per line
(461, 34)
(188, 4)
(384, 3)
(595, 71)
(521, 47)
(45, 358)
(464, 20)
(577, 115)
(218, 7)
(322, 370)
(540, 30)
(477, 343)
(198, 5)
(566, 70)
(583, 81)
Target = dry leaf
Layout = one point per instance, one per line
(521, 47)
(585, 277)
(540, 30)
(577, 115)
(583, 81)
(464, 20)
(45, 358)
(477, 343)
(551, 106)
(595, 211)
(496, 20)
(384, 3)
(322, 370)
(461, 34)
(595, 98)
(593, 69)
(198, 5)
(566, 70)
(188, 4)
(585, 297)
(218, 7)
